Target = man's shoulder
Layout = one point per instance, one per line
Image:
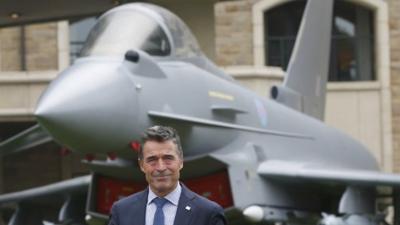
(201, 201)
(207, 211)
(207, 203)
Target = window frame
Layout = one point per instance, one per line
(381, 35)
(352, 55)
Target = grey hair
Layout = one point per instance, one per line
(160, 134)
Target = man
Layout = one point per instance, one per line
(165, 201)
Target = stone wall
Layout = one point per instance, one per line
(41, 47)
(10, 48)
(233, 33)
(39, 44)
(394, 27)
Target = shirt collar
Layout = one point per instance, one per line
(172, 197)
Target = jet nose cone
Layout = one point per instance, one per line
(90, 108)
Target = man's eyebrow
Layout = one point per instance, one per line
(151, 157)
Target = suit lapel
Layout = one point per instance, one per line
(185, 208)
(139, 209)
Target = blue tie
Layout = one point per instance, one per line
(159, 215)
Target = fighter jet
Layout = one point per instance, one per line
(264, 160)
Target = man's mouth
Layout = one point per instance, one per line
(161, 177)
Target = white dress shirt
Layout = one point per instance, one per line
(169, 208)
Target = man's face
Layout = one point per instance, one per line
(161, 164)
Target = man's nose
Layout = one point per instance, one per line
(161, 165)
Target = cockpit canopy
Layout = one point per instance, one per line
(141, 26)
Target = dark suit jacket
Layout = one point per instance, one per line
(132, 210)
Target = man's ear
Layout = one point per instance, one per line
(181, 166)
(140, 161)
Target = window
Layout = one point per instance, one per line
(352, 56)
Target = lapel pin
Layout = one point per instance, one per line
(187, 208)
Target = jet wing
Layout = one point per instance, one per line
(29, 138)
(79, 184)
(218, 124)
(297, 171)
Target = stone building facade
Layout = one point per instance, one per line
(37, 52)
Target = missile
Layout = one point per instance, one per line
(254, 213)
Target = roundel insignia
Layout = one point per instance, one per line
(261, 111)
